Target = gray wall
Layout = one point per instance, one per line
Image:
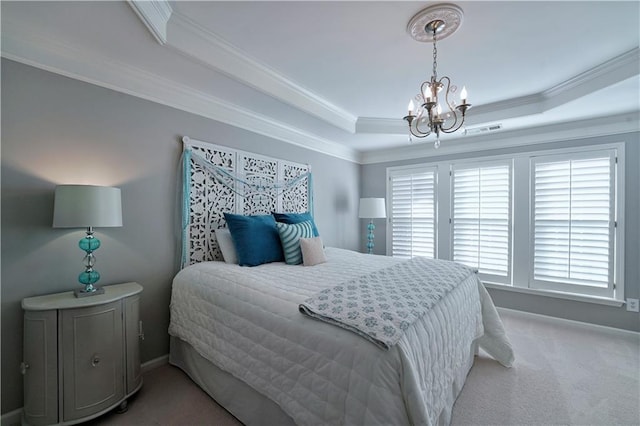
(373, 184)
(58, 130)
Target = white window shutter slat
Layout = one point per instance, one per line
(482, 219)
(573, 219)
(412, 216)
(551, 221)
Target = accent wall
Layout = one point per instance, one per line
(58, 130)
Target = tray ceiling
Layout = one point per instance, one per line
(336, 76)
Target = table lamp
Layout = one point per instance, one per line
(371, 208)
(87, 206)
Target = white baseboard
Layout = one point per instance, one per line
(154, 363)
(12, 418)
(568, 321)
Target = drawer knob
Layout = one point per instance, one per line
(95, 361)
(23, 368)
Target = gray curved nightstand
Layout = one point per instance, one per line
(81, 355)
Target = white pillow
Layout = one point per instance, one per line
(312, 251)
(226, 245)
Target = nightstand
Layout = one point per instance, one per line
(81, 355)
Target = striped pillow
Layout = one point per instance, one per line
(290, 235)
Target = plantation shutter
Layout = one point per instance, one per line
(412, 194)
(481, 221)
(573, 220)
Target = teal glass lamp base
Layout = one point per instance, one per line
(370, 237)
(89, 276)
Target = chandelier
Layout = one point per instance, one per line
(426, 115)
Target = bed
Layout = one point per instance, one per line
(241, 334)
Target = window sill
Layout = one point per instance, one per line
(557, 294)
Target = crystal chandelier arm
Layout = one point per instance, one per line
(429, 121)
(451, 129)
(450, 104)
(419, 135)
(462, 109)
(452, 108)
(413, 129)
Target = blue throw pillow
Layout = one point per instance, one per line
(290, 235)
(291, 218)
(255, 238)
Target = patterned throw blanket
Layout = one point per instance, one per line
(380, 306)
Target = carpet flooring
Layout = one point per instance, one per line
(565, 373)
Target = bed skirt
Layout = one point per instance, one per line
(241, 400)
(253, 408)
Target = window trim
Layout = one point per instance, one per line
(521, 208)
(453, 165)
(565, 287)
(404, 171)
(557, 294)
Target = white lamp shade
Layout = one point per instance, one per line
(372, 208)
(83, 206)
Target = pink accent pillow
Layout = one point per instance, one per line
(312, 251)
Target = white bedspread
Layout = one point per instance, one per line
(246, 321)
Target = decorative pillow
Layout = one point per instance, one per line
(255, 239)
(291, 218)
(225, 243)
(312, 251)
(290, 235)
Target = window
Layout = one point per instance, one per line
(412, 213)
(481, 219)
(573, 219)
(544, 222)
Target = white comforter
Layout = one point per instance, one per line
(246, 321)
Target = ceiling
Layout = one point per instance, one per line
(336, 76)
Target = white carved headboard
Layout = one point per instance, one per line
(219, 179)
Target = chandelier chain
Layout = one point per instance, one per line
(435, 57)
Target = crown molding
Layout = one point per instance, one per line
(581, 129)
(208, 48)
(599, 77)
(508, 108)
(377, 125)
(154, 15)
(41, 52)
(24, 44)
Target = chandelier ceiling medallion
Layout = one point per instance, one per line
(426, 115)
